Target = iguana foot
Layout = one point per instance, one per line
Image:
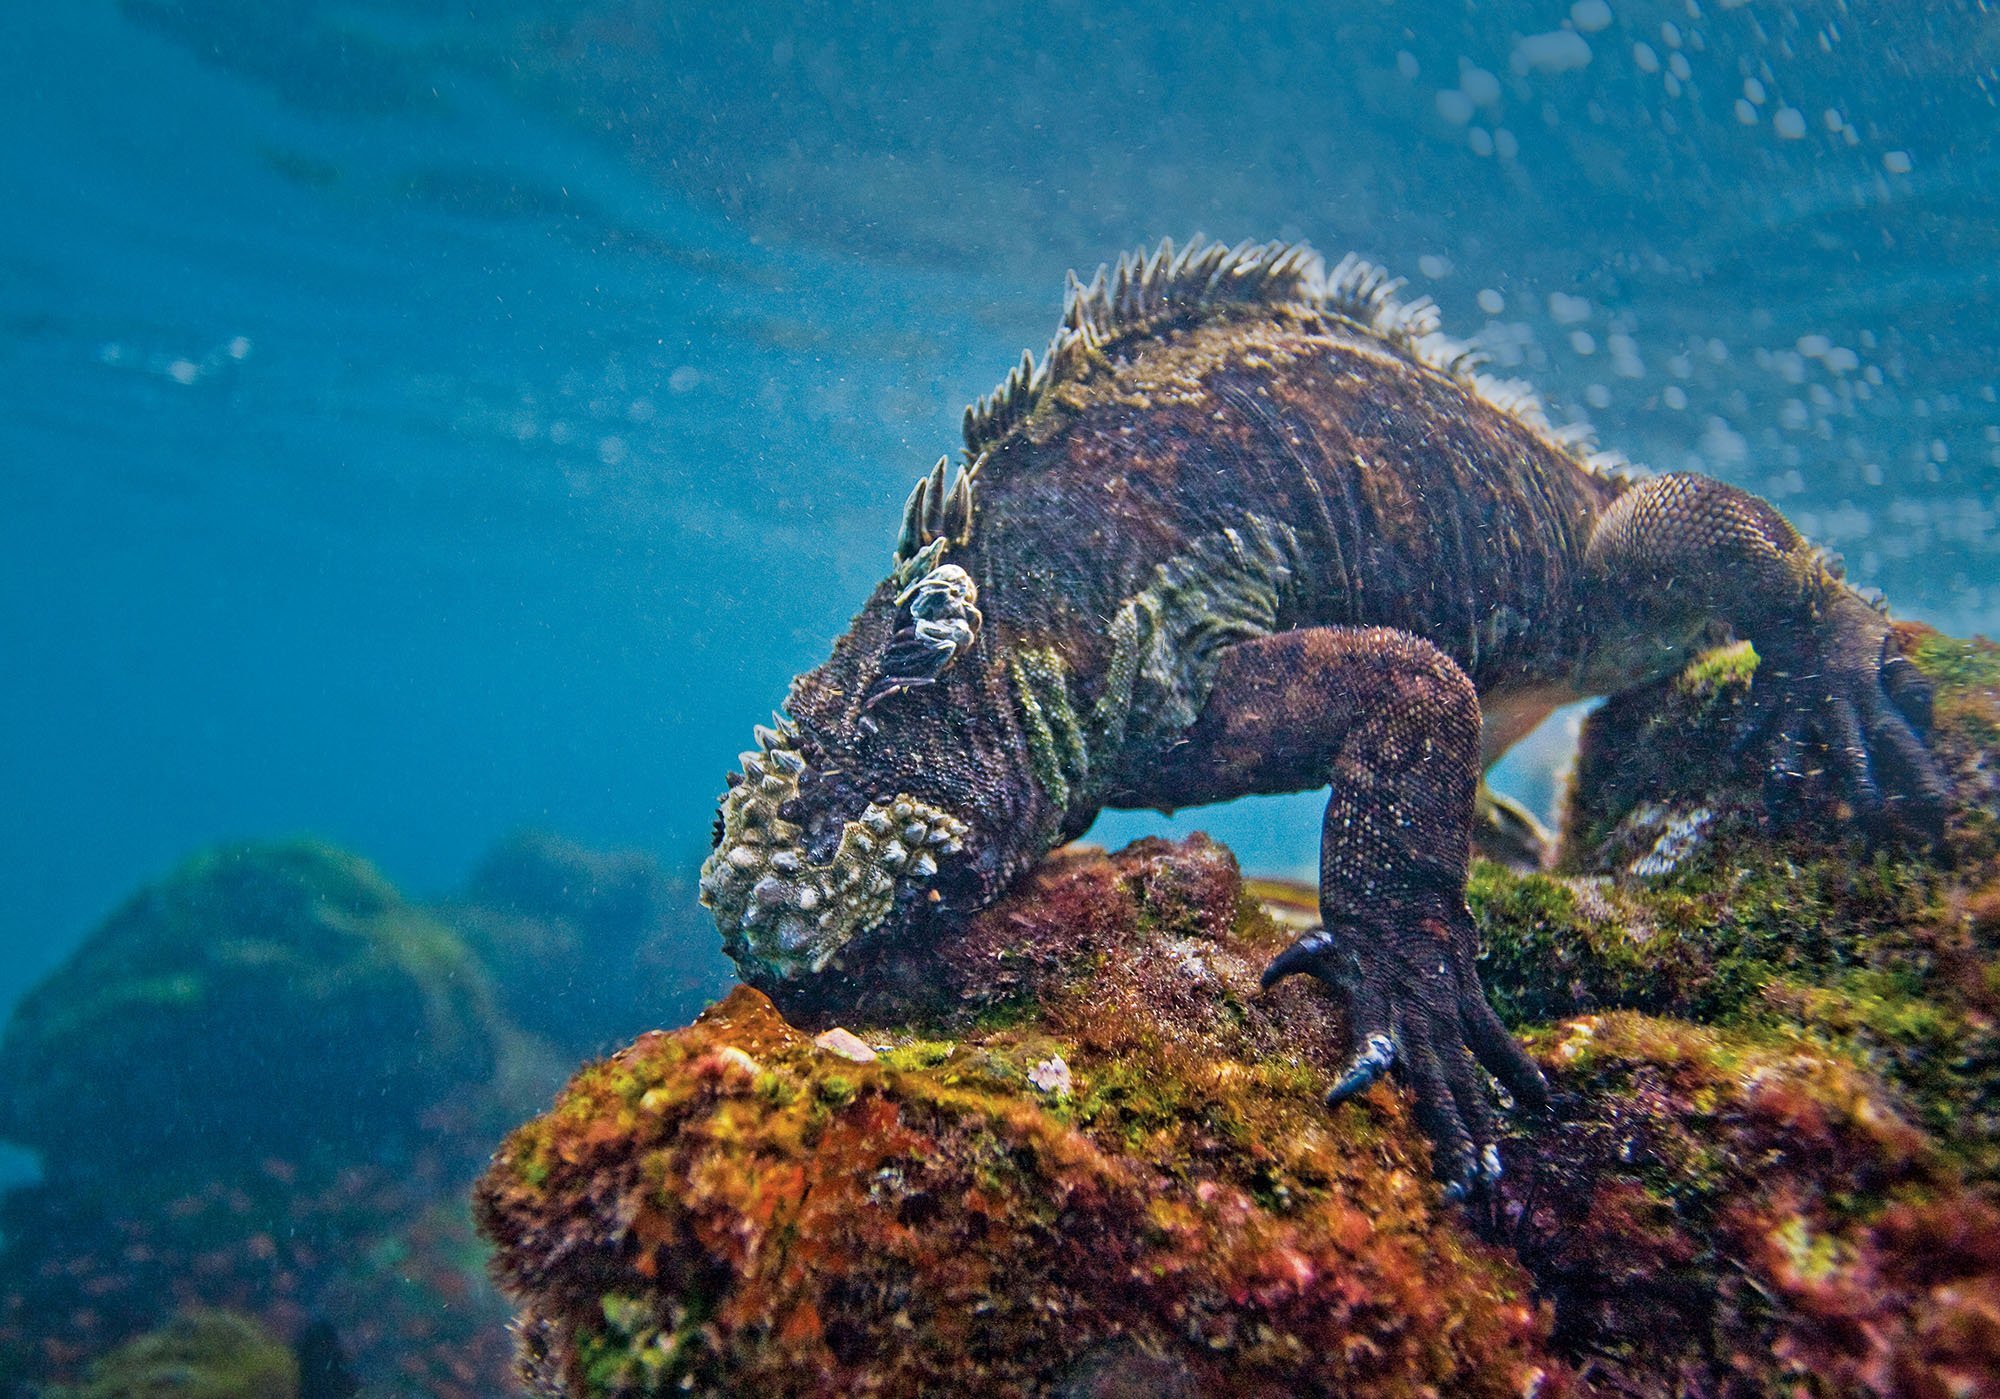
(1849, 705)
(1415, 1006)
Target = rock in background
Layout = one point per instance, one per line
(587, 948)
(265, 1084)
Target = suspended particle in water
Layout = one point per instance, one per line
(1565, 309)
(1789, 123)
(1454, 106)
(1478, 84)
(1558, 51)
(1589, 16)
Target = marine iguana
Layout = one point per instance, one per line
(1252, 525)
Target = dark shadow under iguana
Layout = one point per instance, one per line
(1253, 526)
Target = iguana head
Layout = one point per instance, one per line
(893, 794)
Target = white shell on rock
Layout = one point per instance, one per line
(846, 1044)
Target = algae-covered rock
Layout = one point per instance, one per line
(261, 1000)
(263, 1085)
(1662, 769)
(1073, 1150)
(1098, 1158)
(1777, 1138)
(587, 948)
(201, 1355)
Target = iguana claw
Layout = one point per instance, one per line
(1866, 712)
(1415, 1006)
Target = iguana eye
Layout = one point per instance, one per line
(939, 622)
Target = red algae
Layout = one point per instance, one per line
(731, 1209)
(1074, 1150)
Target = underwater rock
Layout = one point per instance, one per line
(1776, 1142)
(200, 1355)
(261, 1000)
(264, 1084)
(734, 1208)
(375, 1272)
(587, 948)
(1773, 1160)
(1659, 771)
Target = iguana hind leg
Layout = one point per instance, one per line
(1677, 552)
(1393, 724)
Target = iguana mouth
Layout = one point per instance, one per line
(784, 915)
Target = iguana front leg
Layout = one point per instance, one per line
(1393, 723)
(1676, 553)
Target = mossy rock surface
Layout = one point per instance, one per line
(261, 1000)
(1773, 1161)
(1088, 1157)
(1129, 1178)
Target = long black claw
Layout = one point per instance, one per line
(1501, 1053)
(1306, 954)
(1374, 1060)
(1909, 691)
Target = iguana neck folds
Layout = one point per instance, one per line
(1165, 641)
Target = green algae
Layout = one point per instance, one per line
(200, 1355)
(282, 983)
(1953, 661)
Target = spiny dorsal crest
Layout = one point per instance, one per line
(1146, 292)
(936, 515)
(1143, 294)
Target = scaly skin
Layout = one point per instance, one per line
(1254, 527)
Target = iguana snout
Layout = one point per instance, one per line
(802, 867)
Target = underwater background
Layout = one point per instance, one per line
(429, 421)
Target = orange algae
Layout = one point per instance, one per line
(790, 1221)
(1771, 1165)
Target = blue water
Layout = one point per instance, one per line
(419, 425)
(424, 420)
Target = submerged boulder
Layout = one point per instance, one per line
(263, 1084)
(199, 1355)
(1077, 1152)
(261, 1000)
